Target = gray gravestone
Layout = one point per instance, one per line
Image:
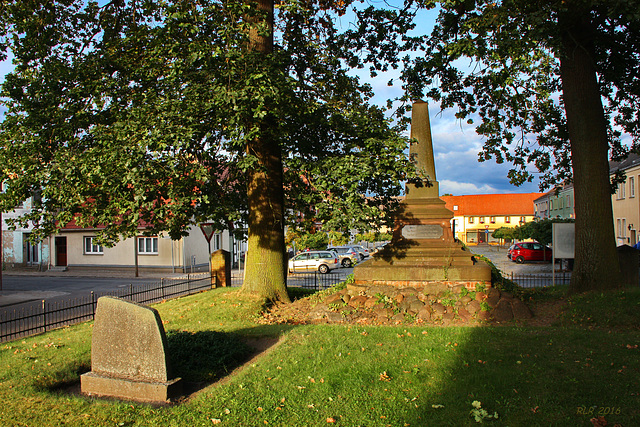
(129, 354)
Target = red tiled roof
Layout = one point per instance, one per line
(516, 204)
(72, 225)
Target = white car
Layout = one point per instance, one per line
(322, 261)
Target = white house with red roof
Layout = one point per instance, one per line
(75, 247)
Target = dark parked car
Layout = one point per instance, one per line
(529, 251)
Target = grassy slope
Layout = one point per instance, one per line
(353, 375)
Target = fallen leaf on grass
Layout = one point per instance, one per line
(384, 376)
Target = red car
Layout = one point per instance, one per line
(529, 251)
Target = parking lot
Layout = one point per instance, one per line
(498, 255)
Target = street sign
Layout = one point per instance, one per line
(208, 230)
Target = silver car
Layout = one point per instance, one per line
(364, 251)
(351, 249)
(347, 256)
(322, 261)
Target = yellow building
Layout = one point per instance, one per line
(625, 201)
(476, 217)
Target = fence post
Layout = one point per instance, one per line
(162, 287)
(131, 291)
(44, 316)
(188, 285)
(93, 306)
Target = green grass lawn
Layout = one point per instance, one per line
(318, 375)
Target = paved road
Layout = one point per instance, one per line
(32, 287)
(25, 288)
(498, 255)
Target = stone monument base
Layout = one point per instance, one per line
(93, 384)
(433, 266)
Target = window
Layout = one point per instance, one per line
(147, 245)
(507, 219)
(620, 191)
(492, 220)
(91, 246)
(481, 220)
(550, 205)
(215, 242)
(568, 201)
(632, 187)
(455, 207)
(470, 220)
(523, 219)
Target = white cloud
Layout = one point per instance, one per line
(465, 188)
(456, 146)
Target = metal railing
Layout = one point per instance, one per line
(31, 320)
(316, 280)
(308, 280)
(540, 280)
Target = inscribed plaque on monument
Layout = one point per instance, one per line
(422, 231)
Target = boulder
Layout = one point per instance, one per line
(520, 310)
(473, 307)
(502, 311)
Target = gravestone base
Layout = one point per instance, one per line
(99, 385)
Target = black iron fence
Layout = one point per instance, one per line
(316, 280)
(48, 315)
(540, 280)
(308, 280)
(45, 316)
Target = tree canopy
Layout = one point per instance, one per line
(170, 113)
(552, 83)
(540, 230)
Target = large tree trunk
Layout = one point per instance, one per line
(596, 263)
(265, 272)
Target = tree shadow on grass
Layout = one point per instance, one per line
(203, 358)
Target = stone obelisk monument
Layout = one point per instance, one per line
(423, 252)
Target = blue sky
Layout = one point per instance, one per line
(456, 144)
